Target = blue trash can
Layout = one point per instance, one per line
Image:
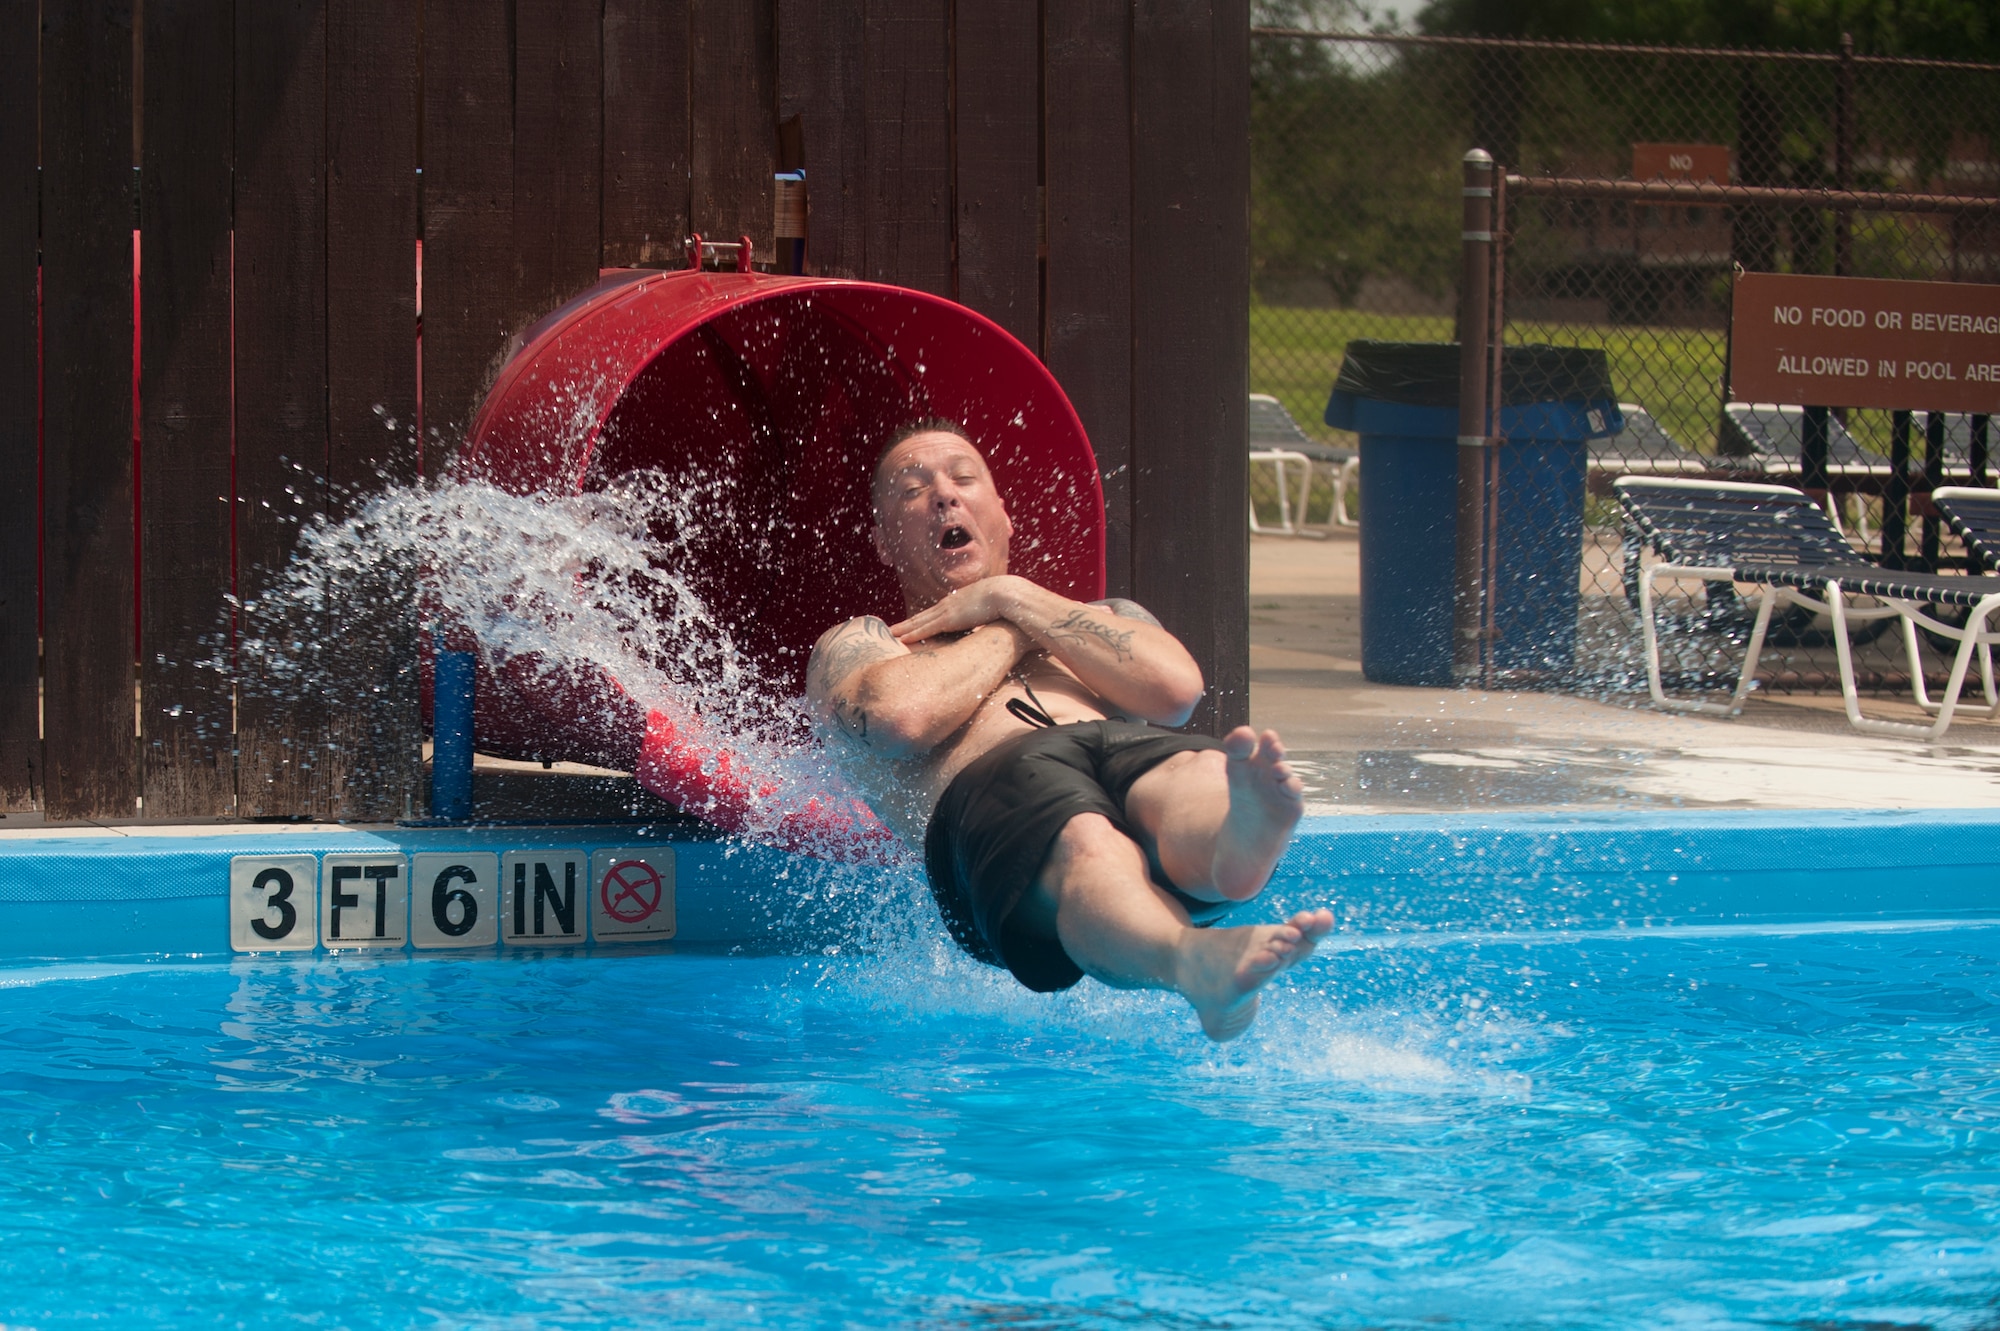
(1402, 399)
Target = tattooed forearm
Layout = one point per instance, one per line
(1125, 609)
(865, 641)
(1080, 626)
(851, 722)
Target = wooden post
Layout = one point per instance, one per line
(20, 448)
(646, 138)
(187, 727)
(1087, 305)
(284, 765)
(732, 93)
(906, 145)
(1190, 335)
(996, 162)
(87, 585)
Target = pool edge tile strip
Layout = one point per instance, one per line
(436, 900)
(174, 892)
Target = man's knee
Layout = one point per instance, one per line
(1092, 836)
(1087, 846)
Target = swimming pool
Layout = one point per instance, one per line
(1487, 1104)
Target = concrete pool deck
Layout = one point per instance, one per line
(1367, 748)
(1370, 748)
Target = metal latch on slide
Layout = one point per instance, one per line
(699, 250)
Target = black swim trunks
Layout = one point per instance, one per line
(999, 818)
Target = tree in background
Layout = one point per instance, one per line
(1942, 29)
(1355, 146)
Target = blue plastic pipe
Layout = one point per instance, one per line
(454, 690)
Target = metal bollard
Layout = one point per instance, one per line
(1469, 608)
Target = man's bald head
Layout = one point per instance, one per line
(903, 434)
(939, 520)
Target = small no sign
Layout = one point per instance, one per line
(632, 900)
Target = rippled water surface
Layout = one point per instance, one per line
(1687, 1130)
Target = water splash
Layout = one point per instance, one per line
(559, 594)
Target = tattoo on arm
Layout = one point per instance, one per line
(857, 644)
(1080, 626)
(1125, 609)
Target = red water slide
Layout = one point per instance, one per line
(787, 387)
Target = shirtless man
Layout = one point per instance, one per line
(1000, 727)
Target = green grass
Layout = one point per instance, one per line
(1675, 373)
(1295, 354)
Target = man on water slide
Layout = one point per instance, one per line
(1004, 729)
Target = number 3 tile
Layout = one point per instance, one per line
(274, 903)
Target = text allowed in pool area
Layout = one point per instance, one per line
(435, 900)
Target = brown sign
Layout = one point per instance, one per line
(1865, 342)
(1702, 163)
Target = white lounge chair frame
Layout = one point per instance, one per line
(1281, 461)
(1292, 516)
(1975, 638)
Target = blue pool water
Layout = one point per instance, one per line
(1707, 1127)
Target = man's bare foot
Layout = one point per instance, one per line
(1222, 970)
(1265, 801)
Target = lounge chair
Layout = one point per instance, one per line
(1776, 539)
(1974, 517)
(1771, 435)
(1643, 448)
(1277, 441)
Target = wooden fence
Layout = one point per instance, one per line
(1075, 169)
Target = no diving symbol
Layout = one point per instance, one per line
(630, 891)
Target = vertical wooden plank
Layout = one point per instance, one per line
(371, 232)
(20, 445)
(1088, 322)
(371, 374)
(734, 96)
(1229, 52)
(1190, 543)
(185, 569)
(468, 143)
(87, 404)
(645, 131)
(906, 109)
(996, 57)
(821, 54)
(558, 152)
(281, 425)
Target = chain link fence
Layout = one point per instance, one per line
(1356, 149)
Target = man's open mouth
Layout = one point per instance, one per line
(954, 538)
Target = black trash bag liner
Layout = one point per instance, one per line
(1425, 374)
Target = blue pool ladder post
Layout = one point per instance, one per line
(454, 690)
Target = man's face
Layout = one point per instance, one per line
(938, 520)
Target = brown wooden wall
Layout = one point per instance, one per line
(1076, 169)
